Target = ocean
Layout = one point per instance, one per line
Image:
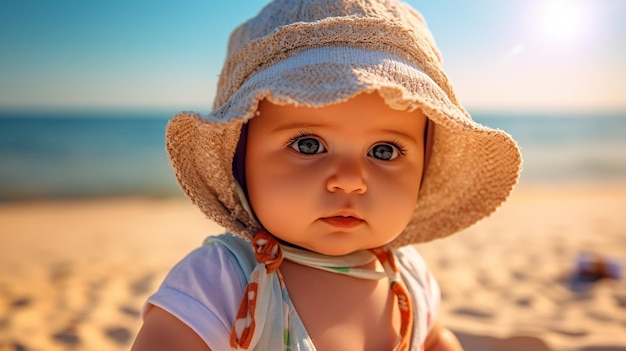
(102, 154)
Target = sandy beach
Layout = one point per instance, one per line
(74, 274)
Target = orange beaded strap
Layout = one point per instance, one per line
(386, 258)
(256, 306)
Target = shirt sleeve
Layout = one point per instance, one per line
(423, 287)
(203, 291)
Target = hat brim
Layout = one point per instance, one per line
(472, 168)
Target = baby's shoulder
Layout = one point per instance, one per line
(204, 289)
(219, 257)
(231, 248)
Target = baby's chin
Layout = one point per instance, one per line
(334, 244)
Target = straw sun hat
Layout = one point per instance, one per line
(319, 52)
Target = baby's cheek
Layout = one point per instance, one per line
(401, 211)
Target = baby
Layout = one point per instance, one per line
(336, 141)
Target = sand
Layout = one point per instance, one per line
(74, 274)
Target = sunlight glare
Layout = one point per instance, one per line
(562, 19)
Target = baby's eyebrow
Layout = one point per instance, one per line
(296, 125)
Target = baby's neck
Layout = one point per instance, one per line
(337, 308)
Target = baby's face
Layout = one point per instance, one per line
(335, 179)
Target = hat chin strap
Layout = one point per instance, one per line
(349, 264)
(266, 289)
(243, 199)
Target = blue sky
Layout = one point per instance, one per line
(501, 55)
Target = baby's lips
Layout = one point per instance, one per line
(345, 222)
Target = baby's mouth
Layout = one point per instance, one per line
(345, 222)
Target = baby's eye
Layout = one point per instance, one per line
(307, 145)
(384, 151)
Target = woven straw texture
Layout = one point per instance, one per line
(315, 53)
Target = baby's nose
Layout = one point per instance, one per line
(348, 176)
